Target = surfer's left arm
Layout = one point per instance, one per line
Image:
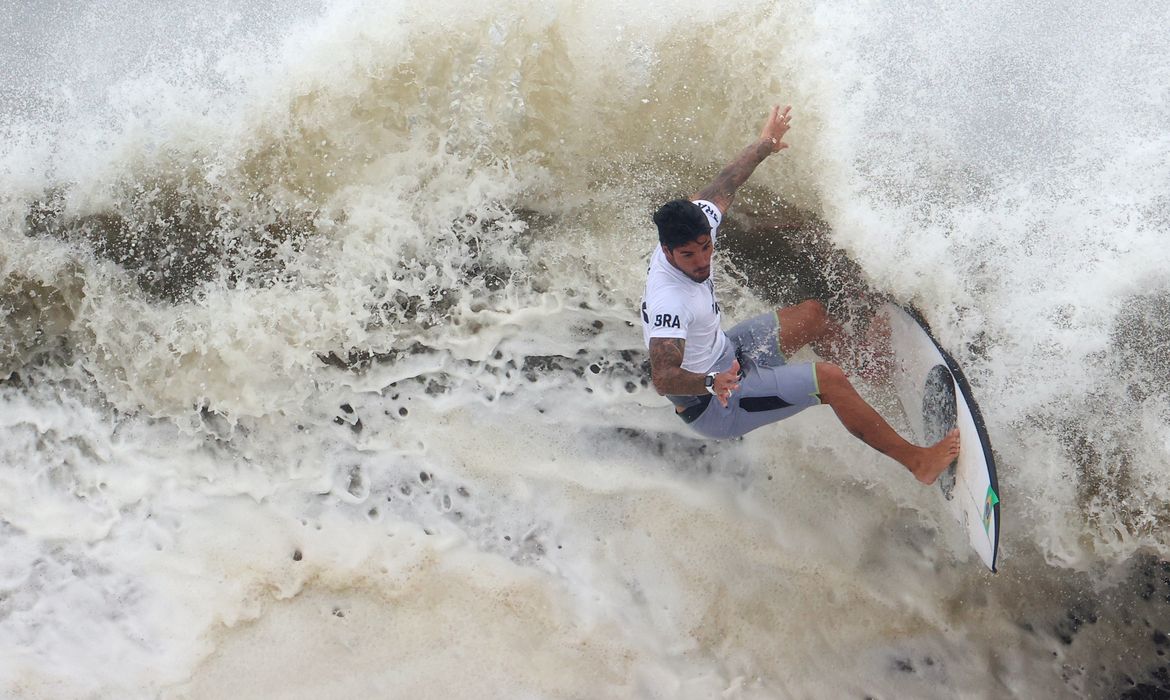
(722, 189)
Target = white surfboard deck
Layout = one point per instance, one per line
(924, 372)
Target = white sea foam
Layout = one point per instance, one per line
(327, 380)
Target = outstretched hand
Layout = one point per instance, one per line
(727, 382)
(721, 191)
(776, 126)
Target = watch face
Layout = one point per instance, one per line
(709, 381)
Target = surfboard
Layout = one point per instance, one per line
(936, 396)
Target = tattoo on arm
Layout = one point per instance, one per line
(666, 356)
(722, 189)
(666, 353)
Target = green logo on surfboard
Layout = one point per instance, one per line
(988, 504)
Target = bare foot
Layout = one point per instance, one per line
(927, 463)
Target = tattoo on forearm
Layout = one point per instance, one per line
(725, 184)
(666, 356)
(666, 353)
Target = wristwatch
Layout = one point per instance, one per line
(709, 382)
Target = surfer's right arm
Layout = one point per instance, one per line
(722, 189)
(666, 356)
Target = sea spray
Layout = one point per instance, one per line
(265, 273)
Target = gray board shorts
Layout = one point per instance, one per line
(770, 389)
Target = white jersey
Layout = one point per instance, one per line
(675, 306)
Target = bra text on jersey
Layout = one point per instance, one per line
(666, 321)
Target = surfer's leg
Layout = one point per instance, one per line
(809, 323)
(802, 324)
(860, 419)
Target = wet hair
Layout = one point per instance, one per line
(679, 222)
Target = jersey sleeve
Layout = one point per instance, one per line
(666, 317)
(714, 216)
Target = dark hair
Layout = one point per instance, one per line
(679, 222)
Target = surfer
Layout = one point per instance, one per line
(692, 360)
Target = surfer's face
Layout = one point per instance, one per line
(692, 259)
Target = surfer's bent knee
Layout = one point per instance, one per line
(817, 313)
(811, 313)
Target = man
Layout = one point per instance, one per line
(692, 360)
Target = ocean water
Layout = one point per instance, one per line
(319, 372)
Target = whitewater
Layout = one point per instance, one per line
(320, 373)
